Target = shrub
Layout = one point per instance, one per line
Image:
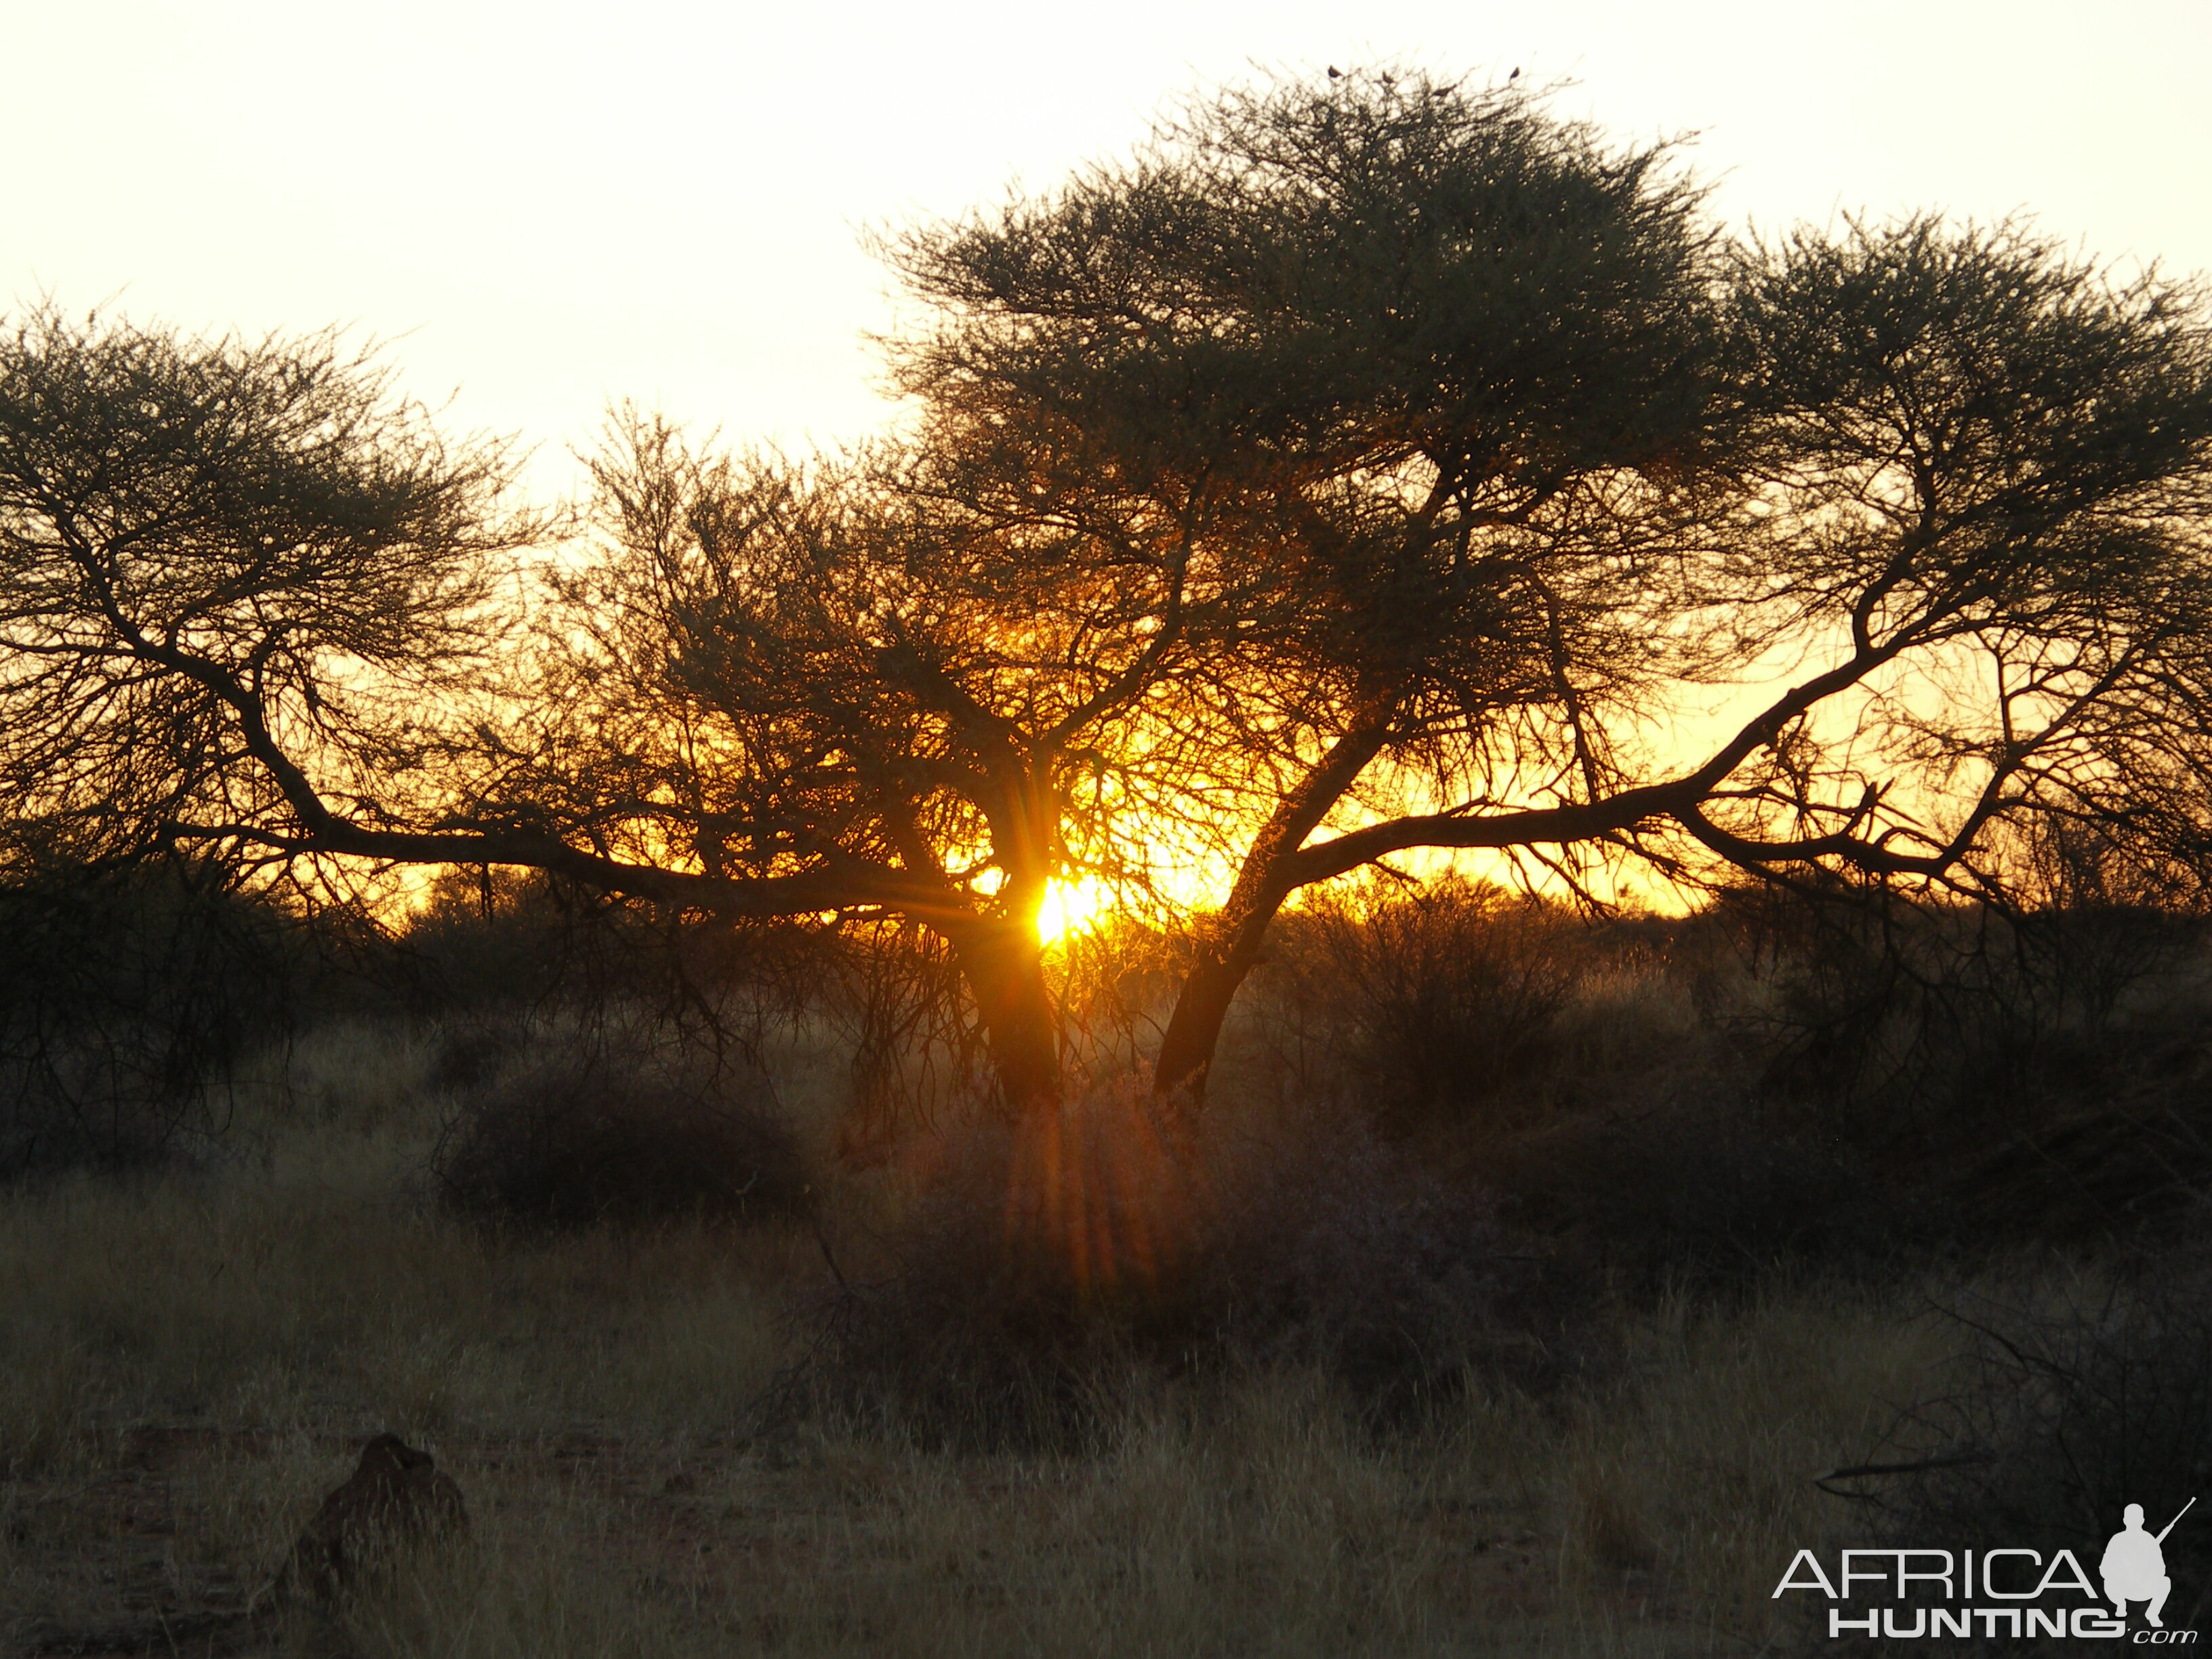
(1041, 1265)
(1948, 1019)
(568, 1143)
(470, 1055)
(127, 998)
(2060, 1419)
(1432, 1000)
(1701, 1190)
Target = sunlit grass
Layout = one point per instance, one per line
(196, 1356)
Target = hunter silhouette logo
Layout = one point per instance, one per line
(2134, 1567)
(2011, 1592)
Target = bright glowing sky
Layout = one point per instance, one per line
(545, 207)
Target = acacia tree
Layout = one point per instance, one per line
(1522, 461)
(1448, 376)
(1981, 480)
(1358, 469)
(216, 560)
(911, 676)
(252, 603)
(250, 600)
(1269, 458)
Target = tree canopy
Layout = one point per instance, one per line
(1447, 375)
(223, 565)
(1361, 467)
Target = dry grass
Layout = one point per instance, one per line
(191, 1358)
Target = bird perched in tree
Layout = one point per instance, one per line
(1516, 75)
(1334, 73)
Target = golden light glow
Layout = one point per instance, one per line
(1072, 908)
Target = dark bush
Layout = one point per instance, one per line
(2058, 1421)
(127, 1000)
(2040, 1077)
(491, 938)
(1949, 1019)
(2112, 1143)
(1332, 1247)
(565, 1143)
(1701, 1190)
(1039, 1264)
(470, 1055)
(1434, 1000)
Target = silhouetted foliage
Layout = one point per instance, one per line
(1046, 1264)
(1324, 320)
(1439, 999)
(127, 998)
(2063, 1417)
(1367, 465)
(238, 581)
(565, 1139)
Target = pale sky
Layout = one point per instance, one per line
(544, 208)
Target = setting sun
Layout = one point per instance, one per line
(1071, 907)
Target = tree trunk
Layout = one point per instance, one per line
(1003, 961)
(1230, 947)
(1195, 1028)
